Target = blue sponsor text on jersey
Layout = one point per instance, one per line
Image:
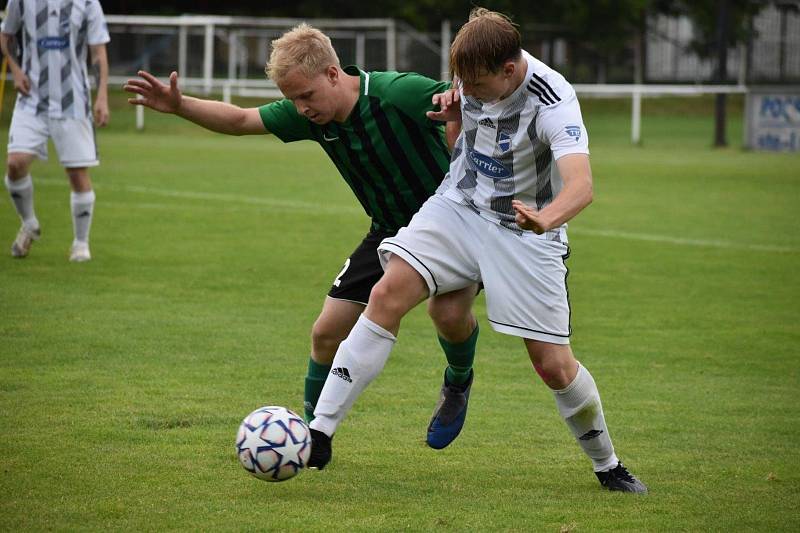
(488, 166)
(574, 132)
(53, 43)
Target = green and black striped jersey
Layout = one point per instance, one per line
(392, 156)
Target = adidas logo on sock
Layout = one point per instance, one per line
(84, 214)
(342, 373)
(589, 435)
(16, 195)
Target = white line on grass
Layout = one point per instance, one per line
(294, 205)
(682, 241)
(274, 203)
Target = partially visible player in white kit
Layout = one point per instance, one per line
(54, 101)
(519, 171)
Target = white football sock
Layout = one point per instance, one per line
(82, 205)
(359, 360)
(580, 407)
(21, 192)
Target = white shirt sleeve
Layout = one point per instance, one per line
(561, 125)
(98, 31)
(13, 21)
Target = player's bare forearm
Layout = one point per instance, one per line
(10, 48)
(100, 68)
(8, 43)
(221, 117)
(210, 114)
(576, 194)
(452, 130)
(100, 65)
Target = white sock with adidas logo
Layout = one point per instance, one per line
(580, 407)
(359, 360)
(82, 206)
(21, 192)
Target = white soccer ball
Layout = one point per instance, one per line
(273, 443)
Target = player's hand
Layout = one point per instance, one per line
(154, 94)
(528, 217)
(449, 106)
(22, 82)
(101, 113)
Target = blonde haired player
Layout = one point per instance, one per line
(373, 126)
(520, 170)
(54, 102)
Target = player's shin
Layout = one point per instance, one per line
(315, 381)
(580, 407)
(21, 192)
(460, 357)
(359, 360)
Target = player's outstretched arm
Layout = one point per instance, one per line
(573, 198)
(212, 115)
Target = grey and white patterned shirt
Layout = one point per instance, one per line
(507, 149)
(55, 35)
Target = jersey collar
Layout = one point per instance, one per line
(353, 71)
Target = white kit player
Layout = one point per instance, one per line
(54, 102)
(520, 170)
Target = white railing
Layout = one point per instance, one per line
(636, 92)
(268, 90)
(210, 24)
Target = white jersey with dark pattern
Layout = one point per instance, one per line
(507, 149)
(55, 35)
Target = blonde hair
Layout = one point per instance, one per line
(304, 47)
(483, 45)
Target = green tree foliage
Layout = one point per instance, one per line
(705, 15)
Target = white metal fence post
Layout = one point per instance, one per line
(361, 42)
(139, 114)
(183, 41)
(208, 58)
(391, 46)
(444, 60)
(233, 54)
(636, 115)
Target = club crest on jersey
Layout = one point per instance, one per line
(488, 166)
(504, 142)
(53, 43)
(574, 132)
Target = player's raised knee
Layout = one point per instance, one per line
(17, 166)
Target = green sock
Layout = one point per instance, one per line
(315, 380)
(459, 358)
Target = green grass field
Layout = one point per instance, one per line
(123, 380)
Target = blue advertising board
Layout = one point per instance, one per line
(772, 120)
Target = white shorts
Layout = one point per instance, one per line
(72, 137)
(524, 275)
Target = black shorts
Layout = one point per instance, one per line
(361, 271)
